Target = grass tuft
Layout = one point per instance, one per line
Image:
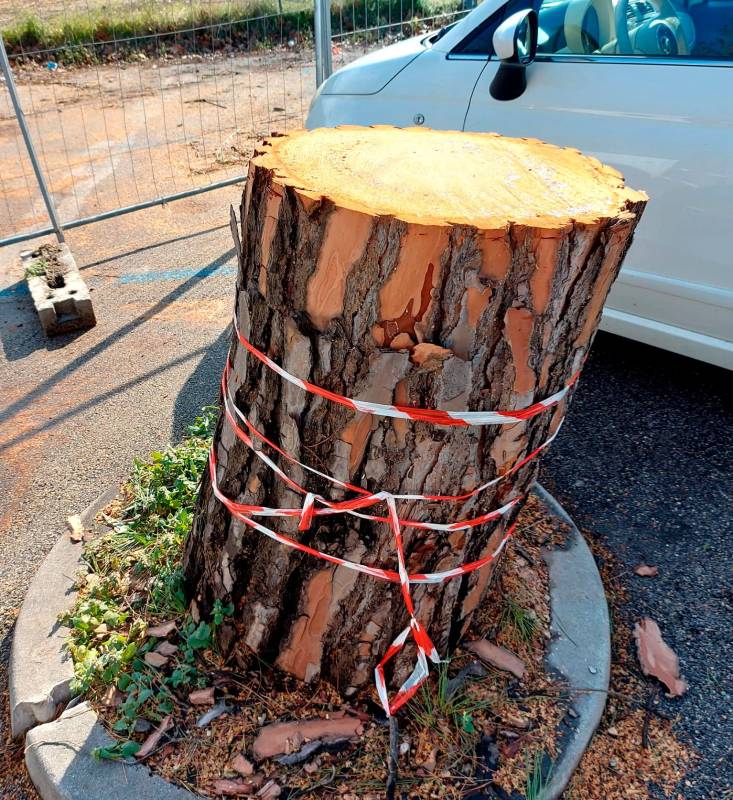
(536, 782)
(450, 713)
(519, 621)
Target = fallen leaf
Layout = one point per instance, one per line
(287, 737)
(156, 659)
(202, 697)
(657, 658)
(76, 528)
(612, 731)
(166, 649)
(153, 740)
(497, 656)
(241, 765)
(213, 713)
(161, 630)
(511, 748)
(646, 571)
(233, 787)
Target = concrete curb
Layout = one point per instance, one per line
(580, 648)
(58, 753)
(60, 762)
(40, 671)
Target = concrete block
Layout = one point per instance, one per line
(65, 305)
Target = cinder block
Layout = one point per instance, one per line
(65, 306)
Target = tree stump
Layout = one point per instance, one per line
(414, 268)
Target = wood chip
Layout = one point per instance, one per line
(657, 658)
(497, 656)
(287, 737)
(155, 659)
(235, 787)
(242, 765)
(154, 739)
(270, 790)
(646, 571)
(76, 528)
(202, 697)
(162, 629)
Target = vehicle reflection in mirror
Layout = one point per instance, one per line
(515, 45)
(523, 39)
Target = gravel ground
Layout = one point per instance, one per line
(644, 463)
(634, 464)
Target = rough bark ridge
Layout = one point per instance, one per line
(485, 294)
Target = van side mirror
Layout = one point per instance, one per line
(515, 45)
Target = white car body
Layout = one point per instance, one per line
(666, 124)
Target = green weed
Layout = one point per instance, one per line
(37, 269)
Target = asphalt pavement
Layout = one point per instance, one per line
(642, 461)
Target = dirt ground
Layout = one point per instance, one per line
(117, 134)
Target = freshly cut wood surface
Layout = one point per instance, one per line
(426, 176)
(409, 267)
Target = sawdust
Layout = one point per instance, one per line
(490, 737)
(618, 767)
(448, 747)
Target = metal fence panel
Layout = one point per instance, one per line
(122, 118)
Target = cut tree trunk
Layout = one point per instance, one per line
(411, 267)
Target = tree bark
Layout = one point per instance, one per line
(408, 267)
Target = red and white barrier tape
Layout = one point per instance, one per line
(433, 415)
(315, 505)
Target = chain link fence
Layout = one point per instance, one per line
(132, 103)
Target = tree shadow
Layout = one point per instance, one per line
(202, 386)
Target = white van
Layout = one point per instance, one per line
(644, 85)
